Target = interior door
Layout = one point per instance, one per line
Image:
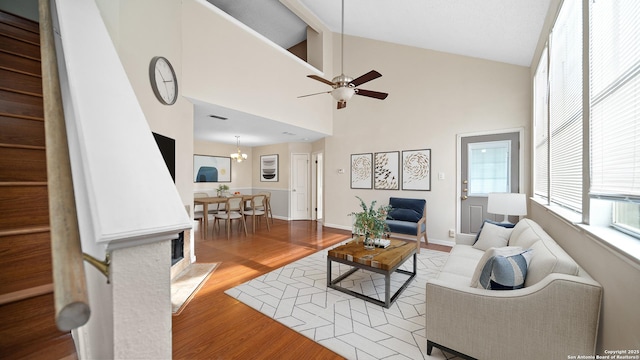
(489, 163)
(299, 186)
(319, 188)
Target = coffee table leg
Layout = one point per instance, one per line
(387, 290)
(328, 272)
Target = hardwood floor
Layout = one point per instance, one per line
(216, 326)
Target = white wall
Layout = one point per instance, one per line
(228, 64)
(139, 37)
(433, 96)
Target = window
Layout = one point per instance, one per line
(613, 113)
(614, 83)
(489, 167)
(565, 108)
(541, 128)
(626, 217)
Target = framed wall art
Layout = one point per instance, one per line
(416, 170)
(361, 171)
(386, 169)
(211, 168)
(269, 168)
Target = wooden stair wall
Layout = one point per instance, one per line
(27, 315)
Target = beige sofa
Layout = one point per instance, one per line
(553, 316)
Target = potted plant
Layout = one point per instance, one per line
(222, 189)
(370, 222)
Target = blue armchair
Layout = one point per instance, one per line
(408, 217)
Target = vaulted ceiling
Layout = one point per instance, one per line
(499, 30)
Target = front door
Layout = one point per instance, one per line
(489, 163)
(299, 186)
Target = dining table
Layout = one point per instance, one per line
(205, 201)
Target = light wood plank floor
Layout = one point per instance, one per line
(216, 326)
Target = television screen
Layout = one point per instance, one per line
(167, 147)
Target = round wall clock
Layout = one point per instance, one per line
(163, 80)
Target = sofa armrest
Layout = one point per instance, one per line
(552, 319)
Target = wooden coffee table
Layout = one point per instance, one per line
(382, 261)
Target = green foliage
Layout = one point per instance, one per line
(371, 221)
(223, 187)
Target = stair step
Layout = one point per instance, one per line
(23, 164)
(23, 206)
(26, 260)
(18, 131)
(30, 321)
(20, 82)
(20, 64)
(27, 329)
(19, 47)
(19, 33)
(19, 22)
(20, 105)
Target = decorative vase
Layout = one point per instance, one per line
(368, 242)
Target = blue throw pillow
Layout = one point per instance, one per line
(505, 272)
(505, 225)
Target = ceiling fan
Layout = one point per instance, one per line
(344, 87)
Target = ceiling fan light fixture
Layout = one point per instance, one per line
(342, 94)
(238, 156)
(344, 87)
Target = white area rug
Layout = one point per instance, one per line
(297, 296)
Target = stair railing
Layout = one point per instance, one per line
(69, 281)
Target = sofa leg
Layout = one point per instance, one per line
(431, 344)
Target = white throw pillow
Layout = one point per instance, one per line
(490, 253)
(492, 236)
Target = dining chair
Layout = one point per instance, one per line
(268, 204)
(258, 209)
(198, 209)
(234, 210)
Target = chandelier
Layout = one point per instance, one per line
(238, 156)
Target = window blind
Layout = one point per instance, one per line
(541, 128)
(565, 107)
(615, 99)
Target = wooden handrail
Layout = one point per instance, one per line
(69, 282)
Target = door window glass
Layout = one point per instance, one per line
(489, 167)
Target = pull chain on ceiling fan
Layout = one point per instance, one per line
(344, 87)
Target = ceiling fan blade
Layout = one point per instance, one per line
(373, 94)
(365, 78)
(316, 77)
(342, 104)
(324, 92)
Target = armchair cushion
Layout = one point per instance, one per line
(405, 227)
